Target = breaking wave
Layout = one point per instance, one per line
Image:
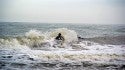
(35, 38)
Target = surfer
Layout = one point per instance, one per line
(60, 38)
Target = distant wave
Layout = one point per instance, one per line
(112, 40)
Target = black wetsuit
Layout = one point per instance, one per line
(59, 37)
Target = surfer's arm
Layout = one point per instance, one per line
(62, 38)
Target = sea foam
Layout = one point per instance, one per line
(35, 38)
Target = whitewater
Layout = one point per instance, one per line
(38, 50)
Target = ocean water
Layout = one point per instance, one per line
(32, 46)
(83, 30)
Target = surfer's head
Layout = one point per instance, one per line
(59, 34)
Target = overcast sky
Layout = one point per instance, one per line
(63, 11)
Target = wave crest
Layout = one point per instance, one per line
(35, 38)
(69, 35)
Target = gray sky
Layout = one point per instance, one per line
(63, 11)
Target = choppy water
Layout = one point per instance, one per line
(83, 30)
(31, 46)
